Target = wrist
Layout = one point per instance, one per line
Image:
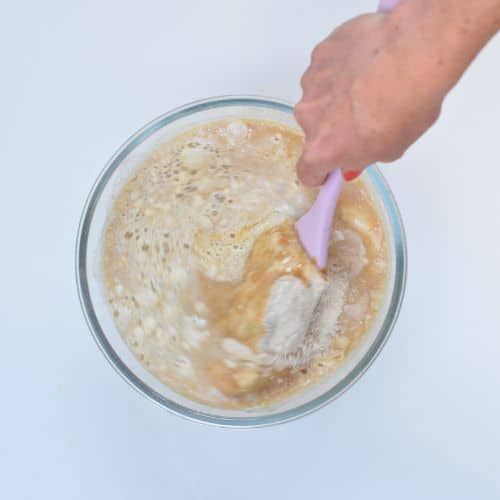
(440, 38)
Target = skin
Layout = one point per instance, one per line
(377, 83)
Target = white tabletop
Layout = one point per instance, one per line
(77, 79)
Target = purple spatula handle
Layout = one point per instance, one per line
(387, 5)
(315, 226)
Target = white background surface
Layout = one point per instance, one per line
(77, 78)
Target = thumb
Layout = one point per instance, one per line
(321, 155)
(311, 173)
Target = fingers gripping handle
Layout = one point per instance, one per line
(314, 227)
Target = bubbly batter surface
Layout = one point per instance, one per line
(199, 242)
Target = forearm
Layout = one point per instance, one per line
(444, 36)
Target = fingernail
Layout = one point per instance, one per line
(350, 175)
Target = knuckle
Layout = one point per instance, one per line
(305, 80)
(317, 53)
(391, 155)
(434, 115)
(300, 112)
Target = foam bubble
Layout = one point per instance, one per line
(237, 131)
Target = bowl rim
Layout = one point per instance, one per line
(100, 337)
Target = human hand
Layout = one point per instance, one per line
(377, 83)
(359, 104)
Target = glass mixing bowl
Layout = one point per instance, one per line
(91, 290)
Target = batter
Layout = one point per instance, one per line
(200, 256)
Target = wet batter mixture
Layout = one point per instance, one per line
(200, 259)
